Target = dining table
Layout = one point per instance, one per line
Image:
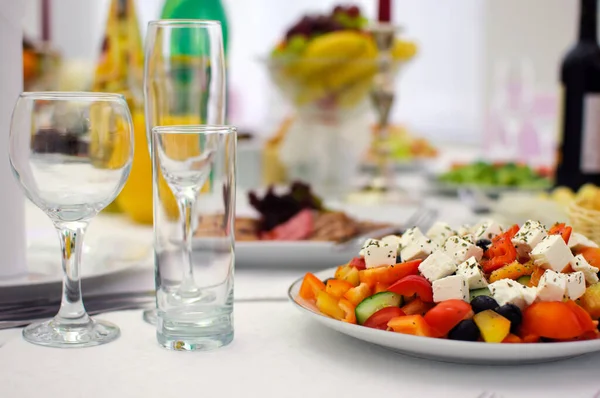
(277, 351)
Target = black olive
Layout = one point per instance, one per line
(482, 303)
(512, 313)
(466, 330)
(483, 243)
(398, 259)
(546, 340)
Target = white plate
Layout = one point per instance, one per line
(446, 350)
(308, 254)
(101, 257)
(274, 254)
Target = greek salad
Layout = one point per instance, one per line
(487, 283)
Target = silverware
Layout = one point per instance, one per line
(423, 218)
(26, 314)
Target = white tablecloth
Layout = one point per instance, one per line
(276, 352)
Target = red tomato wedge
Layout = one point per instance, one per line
(413, 284)
(447, 314)
(358, 263)
(311, 285)
(591, 255)
(562, 230)
(585, 320)
(552, 319)
(390, 274)
(411, 324)
(380, 319)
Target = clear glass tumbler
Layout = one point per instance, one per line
(194, 210)
(71, 153)
(184, 79)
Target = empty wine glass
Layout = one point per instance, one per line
(71, 153)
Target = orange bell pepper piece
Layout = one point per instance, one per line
(358, 293)
(585, 320)
(411, 324)
(311, 286)
(349, 310)
(380, 287)
(417, 307)
(389, 274)
(512, 339)
(337, 288)
(536, 275)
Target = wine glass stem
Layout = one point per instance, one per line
(71, 236)
(186, 209)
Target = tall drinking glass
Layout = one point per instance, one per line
(194, 288)
(184, 81)
(71, 153)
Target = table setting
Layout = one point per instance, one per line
(144, 257)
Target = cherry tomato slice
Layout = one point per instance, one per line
(380, 319)
(447, 314)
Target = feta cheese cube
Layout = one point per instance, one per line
(380, 256)
(450, 287)
(579, 263)
(410, 235)
(463, 230)
(469, 238)
(552, 286)
(507, 291)
(578, 241)
(530, 294)
(552, 253)
(575, 285)
(472, 272)
(368, 242)
(461, 250)
(392, 240)
(487, 229)
(439, 232)
(419, 248)
(528, 237)
(437, 266)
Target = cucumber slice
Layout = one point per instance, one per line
(374, 303)
(524, 280)
(480, 292)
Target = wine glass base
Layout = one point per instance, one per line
(150, 316)
(52, 333)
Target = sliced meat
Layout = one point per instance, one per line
(298, 227)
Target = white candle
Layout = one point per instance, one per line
(12, 202)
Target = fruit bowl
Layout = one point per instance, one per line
(325, 66)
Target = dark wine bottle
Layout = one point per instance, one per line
(579, 150)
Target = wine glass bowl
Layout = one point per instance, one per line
(71, 154)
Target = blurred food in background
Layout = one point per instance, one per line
(41, 64)
(404, 146)
(325, 66)
(487, 174)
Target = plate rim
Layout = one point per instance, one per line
(436, 344)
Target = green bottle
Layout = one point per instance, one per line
(197, 9)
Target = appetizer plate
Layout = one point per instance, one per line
(284, 254)
(441, 349)
(103, 257)
(307, 254)
(450, 189)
